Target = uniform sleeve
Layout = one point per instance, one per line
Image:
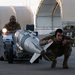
(18, 26)
(45, 40)
(69, 40)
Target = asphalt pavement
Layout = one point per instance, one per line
(41, 68)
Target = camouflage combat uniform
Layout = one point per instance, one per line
(57, 48)
(12, 27)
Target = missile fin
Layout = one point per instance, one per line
(47, 45)
(34, 57)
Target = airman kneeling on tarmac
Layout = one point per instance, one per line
(61, 46)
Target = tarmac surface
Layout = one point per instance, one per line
(41, 68)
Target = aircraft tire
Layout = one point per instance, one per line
(10, 56)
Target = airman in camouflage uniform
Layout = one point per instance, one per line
(12, 25)
(61, 46)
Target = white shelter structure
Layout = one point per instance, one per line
(53, 14)
(23, 15)
(48, 16)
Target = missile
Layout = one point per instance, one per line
(36, 55)
(27, 40)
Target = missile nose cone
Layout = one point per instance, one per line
(35, 47)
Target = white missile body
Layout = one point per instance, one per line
(27, 40)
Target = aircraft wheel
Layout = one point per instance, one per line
(2, 58)
(10, 56)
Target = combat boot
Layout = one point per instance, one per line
(65, 65)
(53, 65)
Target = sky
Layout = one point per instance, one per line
(32, 3)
